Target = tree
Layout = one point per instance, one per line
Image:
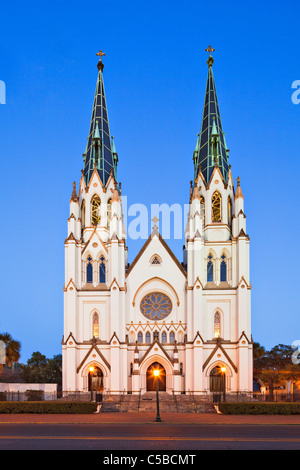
(12, 349)
(40, 369)
(275, 367)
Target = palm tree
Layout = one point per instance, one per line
(12, 349)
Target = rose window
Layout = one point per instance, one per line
(156, 306)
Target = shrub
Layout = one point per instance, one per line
(278, 408)
(47, 407)
(34, 395)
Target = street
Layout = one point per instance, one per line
(148, 436)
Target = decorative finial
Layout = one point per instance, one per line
(74, 197)
(100, 63)
(155, 220)
(210, 59)
(238, 181)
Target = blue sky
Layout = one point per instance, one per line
(155, 76)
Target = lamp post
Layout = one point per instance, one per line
(223, 370)
(156, 374)
(91, 369)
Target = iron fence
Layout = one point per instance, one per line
(106, 395)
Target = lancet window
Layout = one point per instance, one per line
(96, 207)
(96, 325)
(216, 207)
(210, 269)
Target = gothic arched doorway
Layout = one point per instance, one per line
(151, 379)
(217, 382)
(95, 379)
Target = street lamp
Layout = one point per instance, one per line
(223, 370)
(91, 369)
(156, 374)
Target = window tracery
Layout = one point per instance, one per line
(216, 204)
(156, 306)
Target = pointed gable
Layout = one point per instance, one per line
(155, 236)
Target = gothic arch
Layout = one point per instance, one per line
(85, 373)
(156, 279)
(216, 207)
(219, 363)
(155, 259)
(95, 209)
(150, 359)
(93, 314)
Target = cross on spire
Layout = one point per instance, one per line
(100, 54)
(155, 220)
(210, 50)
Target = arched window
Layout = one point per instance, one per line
(89, 270)
(217, 325)
(140, 337)
(83, 214)
(172, 337)
(96, 210)
(102, 270)
(109, 213)
(210, 269)
(155, 259)
(229, 210)
(96, 325)
(223, 269)
(216, 204)
(164, 337)
(202, 208)
(148, 337)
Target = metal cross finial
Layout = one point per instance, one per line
(100, 54)
(155, 219)
(210, 50)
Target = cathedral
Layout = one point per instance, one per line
(190, 320)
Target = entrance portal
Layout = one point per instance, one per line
(95, 379)
(151, 378)
(217, 383)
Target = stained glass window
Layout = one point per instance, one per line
(172, 337)
(210, 269)
(96, 325)
(96, 210)
(216, 202)
(102, 271)
(83, 214)
(202, 202)
(140, 337)
(89, 270)
(148, 337)
(164, 337)
(223, 273)
(229, 209)
(156, 306)
(217, 325)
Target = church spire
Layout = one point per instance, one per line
(99, 152)
(211, 147)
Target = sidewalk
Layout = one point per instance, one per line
(167, 418)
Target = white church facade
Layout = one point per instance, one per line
(190, 319)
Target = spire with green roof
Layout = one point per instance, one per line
(211, 149)
(99, 152)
